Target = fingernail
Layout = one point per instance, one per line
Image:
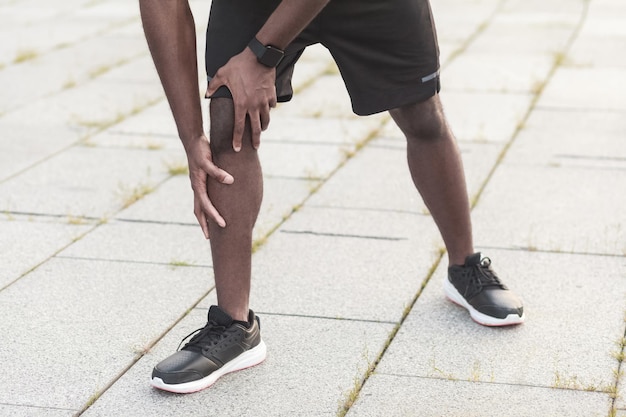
(228, 179)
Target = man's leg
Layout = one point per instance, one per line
(239, 204)
(437, 172)
(231, 339)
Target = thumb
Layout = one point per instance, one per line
(214, 83)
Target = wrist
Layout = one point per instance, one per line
(268, 55)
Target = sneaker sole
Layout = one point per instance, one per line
(480, 318)
(249, 358)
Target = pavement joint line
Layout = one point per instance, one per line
(307, 316)
(367, 209)
(618, 373)
(510, 384)
(125, 220)
(351, 398)
(140, 355)
(38, 407)
(127, 261)
(342, 235)
(580, 109)
(554, 252)
(555, 65)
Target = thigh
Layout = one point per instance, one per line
(386, 50)
(232, 24)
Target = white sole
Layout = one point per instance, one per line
(477, 316)
(250, 358)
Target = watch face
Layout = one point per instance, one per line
(271, 57)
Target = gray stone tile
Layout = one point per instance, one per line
(65, 68)
(389, 186)
(339, 131)
(458, 20)
(392, 395)
(561, 209)
(292, 380)
(27, 241)
(173, 244)
(497, 71)
(482, 117)
(172, 202)
(22, 146)
(438, 339)
(375, 179)
(508, 33)
(597, 51)
(156, 121)
(573, 138)
(302, 161)
(340, 276)
(83, 181)
(120, 308)
(560, 94)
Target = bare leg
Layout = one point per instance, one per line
(239, 204)
(437, 172)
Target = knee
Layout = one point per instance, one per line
(423, 121)
(222, 116)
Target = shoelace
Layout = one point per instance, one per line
(480, 276)
(203, 337)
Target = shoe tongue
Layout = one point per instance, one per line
(473, 259)
(220, 317)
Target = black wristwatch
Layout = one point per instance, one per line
(267, 55)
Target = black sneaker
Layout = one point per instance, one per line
(220, 347)
(476, 287)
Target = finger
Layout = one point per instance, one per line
(265, 119)
(218, 174)
(208, 211)
(239, 126)
(197, 210)
(255, 129)
(215, 83)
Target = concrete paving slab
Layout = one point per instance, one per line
(438, 339)
(506, 33)
(359, 186)
(499, 71)
(389, 186)
(339, 277)
(65, 68)
(171, 202)
(93, 182)
(571, 139)
(456, 21)
(119, 307)
(22, 146)
(155, 120)
(168, 244)
(301, 161)
(292, 380)
(26, 241)
(340, 131)
(392, 395)
(560, 94)
(597, 51)
(484, 117)
(581, 214)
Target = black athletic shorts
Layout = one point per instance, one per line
(386, 50)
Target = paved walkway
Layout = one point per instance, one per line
(103, 268)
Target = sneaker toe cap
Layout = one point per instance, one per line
(499, 304)
(183, 366)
